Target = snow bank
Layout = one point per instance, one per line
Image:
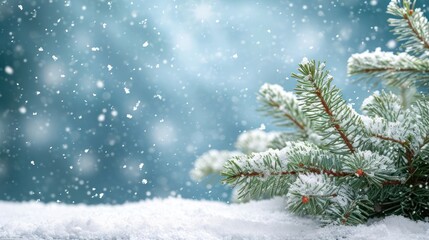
(185, 219)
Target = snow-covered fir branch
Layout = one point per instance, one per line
(393, 69)
(311, 189)
(384, 105)
(371, 169)
(411, 27)
(333, 119)
(259, 174)
(283, 106)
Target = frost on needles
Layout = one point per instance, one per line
(333, 162)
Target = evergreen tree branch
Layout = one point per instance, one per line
(400, 132)
(411, 26)
(308, 194)
(284, 106)
(352, 214)
(307, 171)
(287, 115)
(402, 143)
(395, 70)
(333, 119)
(259, 174)
(384, 105)
(419, 35)
(372, 169)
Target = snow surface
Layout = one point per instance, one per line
(175, 218)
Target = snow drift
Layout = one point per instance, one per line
(175, 218)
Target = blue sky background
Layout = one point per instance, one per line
(112, 101)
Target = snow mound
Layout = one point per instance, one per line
(175, 218)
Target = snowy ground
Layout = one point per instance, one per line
(185, 219)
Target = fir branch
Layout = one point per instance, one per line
(419, 33)
(306, 171)
(403, 70)
(349, 208)
(411, 26)
(395, 70)
(287, 115)
(307, 195)
(333, 120)
(384, 105)
(259, 174)
(402, 143)
(398, 132)
(326, 172)
(371, 169)
(283, 106)
(309, 158)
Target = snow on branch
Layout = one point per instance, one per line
(283, 106)
(311, 189)
(309, 158)
(324, 197)
(259, 174)
(411, 27)
(387, 121)
(394, 69)
(398, 131)
(371, 168)
(384, 105)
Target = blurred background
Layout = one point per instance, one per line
(112, 101)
